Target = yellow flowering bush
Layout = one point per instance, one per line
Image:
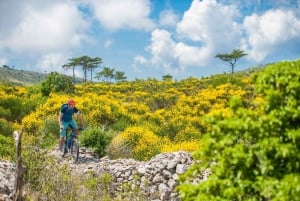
(186, 134)
(144, 112)
(100, 110)
(136, 108)
(143, 143)
(32, 122)
(189, 146)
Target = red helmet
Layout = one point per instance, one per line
(71, 102)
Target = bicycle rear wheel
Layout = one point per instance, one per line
(74, 150)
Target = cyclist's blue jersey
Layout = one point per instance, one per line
(67, 112)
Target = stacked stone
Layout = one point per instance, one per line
(7, 179)
(156, 178)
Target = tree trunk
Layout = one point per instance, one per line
(19, 175)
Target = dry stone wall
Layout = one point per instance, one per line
(7, 179)
(156, 178)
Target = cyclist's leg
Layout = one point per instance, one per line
(72, 125)
(63, 134)
(73, 143)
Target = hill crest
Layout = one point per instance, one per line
(20, 77)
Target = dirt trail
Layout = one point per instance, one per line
(87, 159)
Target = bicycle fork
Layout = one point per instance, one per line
(67, 143)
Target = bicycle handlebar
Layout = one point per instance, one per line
(72, 129)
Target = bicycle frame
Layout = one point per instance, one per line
(71, 144)
(69, 138)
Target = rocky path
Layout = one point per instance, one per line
(156, 178)
(7, 178)
(87, 160)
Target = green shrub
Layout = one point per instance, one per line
(96, 138)
(50, 132)
(121, 123)
(56, 82)
(4, 112)
(137, 142)
(119, 149)
(255, 154)
(6, 128)
(7, 148)
(13, 108)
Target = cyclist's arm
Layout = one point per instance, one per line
(79, 118)
(60, 118)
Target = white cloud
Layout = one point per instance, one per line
(163, 54)
(42, 27)
(46, 32)
(266, 33)
(140, 59)
(210, 23)
(125, 14)
(192, 56)
(137, 61)
(3, 61)
(208, 28)
(162, 47)
(199, 40)
(168, 18)
(52, 62)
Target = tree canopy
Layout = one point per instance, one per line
(56, 82)
(90, 64)
(231, 58)
(87, 63)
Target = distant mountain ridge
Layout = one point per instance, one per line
(20, 77)
(25, 77)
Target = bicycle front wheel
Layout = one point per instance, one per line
(74, 150)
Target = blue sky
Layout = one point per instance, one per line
(148, 38)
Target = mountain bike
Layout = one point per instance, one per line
(71, 143)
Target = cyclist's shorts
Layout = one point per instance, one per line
(67, 124)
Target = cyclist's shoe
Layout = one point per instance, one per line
(64, 152)
(60, 149)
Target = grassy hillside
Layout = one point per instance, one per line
(244, 127)
(20, 77)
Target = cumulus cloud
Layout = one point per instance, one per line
(140, 59)
(163, 53)
(267, 32)
(162, 47)
(32, 30)
(43, 33)
(41, 27)
(209, 27)
(168, 18)
(192, 55)
(3, 61)
(210, 23)
(196, 40)
(125, 14)
(137, 61)
(51, 62)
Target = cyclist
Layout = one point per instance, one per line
(65, 120)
